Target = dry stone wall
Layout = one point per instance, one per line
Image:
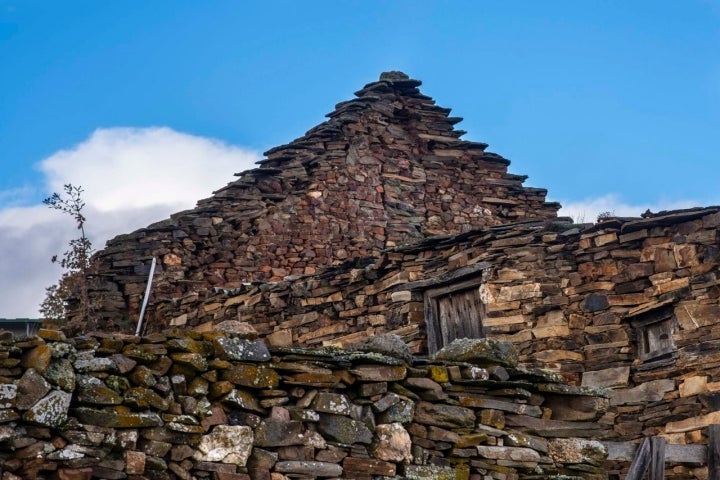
(387, 168)
(219, 405)
(571, 298)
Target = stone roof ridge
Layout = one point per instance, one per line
(667, 217)
(398, 103)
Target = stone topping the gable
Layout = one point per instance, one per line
(387, 168)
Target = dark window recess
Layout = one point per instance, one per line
(655, 333)
(454, 311)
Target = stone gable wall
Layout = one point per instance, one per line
(182, 405)
(387, 168)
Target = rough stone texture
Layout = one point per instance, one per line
(315, 469)
(226, 444)
(549, 321)
(51, 410)
(386, 168)
(590, 302)
(479, 350)
(577, 451)
(343, 429)
(322, 415)
(444, 415)
(393, 443)
(392, 345)
(241, 349)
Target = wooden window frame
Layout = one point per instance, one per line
(463, 278)
(433, 323)
(649, 329)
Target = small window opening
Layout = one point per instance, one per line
(453, 312)
(655, 334)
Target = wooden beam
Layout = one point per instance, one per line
(449, 277)
(713, 457)
(657, 458)
(640, 463)
(674, 453)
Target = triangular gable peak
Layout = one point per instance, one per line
(387, 168)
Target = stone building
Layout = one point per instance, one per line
(381, 220)
(387, 168)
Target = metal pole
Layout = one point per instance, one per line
(147, 296)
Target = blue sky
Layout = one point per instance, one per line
(610, 105)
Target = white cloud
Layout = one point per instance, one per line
(131, 176)
(587, 211)
(137, 167)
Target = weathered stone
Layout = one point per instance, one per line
(242, 350)
(422, 383)
(255, 376)
(38, 358)
(365, 466)
(694, 423)
(95, 364)
(553, 428)
(61, 373)
(517, 439)
(195, 361)
(331, 403)
(576, 408)
(98, 393)
(243, 399)
(7, 433)
(226, 444)
(400, 411)
(75, 473)
(316, 469)
(379, 373)
(692, 316)
(647, 392)
(343, 429)
(139, 397)
(393, 443)
(471, 440)
(134, 462)
(117, 418)
(444, 415)
(155, 448)
(51, 410)
(518, 454)
(390, 344)
(481, 351)
(693, 386)
(123, 363)
(429, 472)
(8, 392)
(577, 451)
(595, 302)
(279, 433)
(609, 377)
(188, 345)
(142, 376)
(233, 327)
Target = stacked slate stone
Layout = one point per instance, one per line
(387, 168)
(219, 405)
(572, 298)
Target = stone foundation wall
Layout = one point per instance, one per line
(182, 404)
(569, 299)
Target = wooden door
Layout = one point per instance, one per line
(451, 315)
